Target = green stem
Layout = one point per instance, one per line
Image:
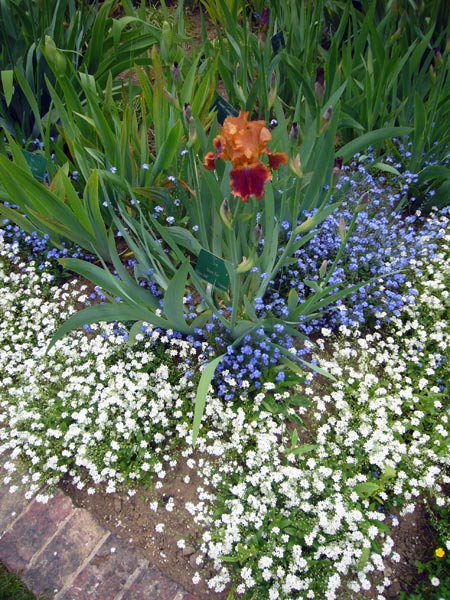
(277, 267)
(341, 248)
(244, 69)
(235, 277)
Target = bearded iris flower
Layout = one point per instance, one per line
(243, 143)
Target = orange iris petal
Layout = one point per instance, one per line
(243, 140)
(250, 181)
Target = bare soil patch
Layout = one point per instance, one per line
(135, 521)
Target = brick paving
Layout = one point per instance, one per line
(61, 552)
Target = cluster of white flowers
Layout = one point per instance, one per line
(90, 405)
(306, 521)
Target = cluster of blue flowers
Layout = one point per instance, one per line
(380, 249)
(245, 368)
(38, 248)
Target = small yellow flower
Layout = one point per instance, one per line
(439, 552)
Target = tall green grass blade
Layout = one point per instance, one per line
(16, 217)
(97, 275)
(184, 238)
(74, 201)
(95, 50)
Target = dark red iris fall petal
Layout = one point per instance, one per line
(249, 181)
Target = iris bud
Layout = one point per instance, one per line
(55, 57)
(225, 213)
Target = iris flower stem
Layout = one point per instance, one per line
(278, 265)
(341, 248)
(233, 246)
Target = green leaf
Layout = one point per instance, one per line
(295, 419)
(102, 127)
(367, 488)
(420, 118)
(243, 328)
(299, 400)
(202, 392)
(135, 330)
(368, 139)
(292, 300)
(31, 98)
(98, 276)
(168, 151)
(188, 84)
(96, 47)
(304, 449)
(294, 439)
(184, 238)
(105, 313)
(154, 194)
(288, 359)
(385, 168)
(200, 321)
(173, 299)
(96, 220)
(363, 559)
(230, 559)
(73, 199)
(18, 156)
(315, 220)
(203, 95)
(388, 473)
(42, 205)
(434, 172)
(7, 76)
(350, 122)
(325, 298)
(128, 288)
(273, 407)
(250, 309)
(38, 164)
(313, 285)
(16, 216)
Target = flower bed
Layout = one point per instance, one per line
(260, 305)
(282, 505)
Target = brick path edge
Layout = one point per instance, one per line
(62, 553)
